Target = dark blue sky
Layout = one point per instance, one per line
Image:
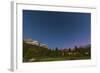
(57, 29)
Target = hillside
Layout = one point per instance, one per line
(37, 53)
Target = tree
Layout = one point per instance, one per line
(76, 49)
(56, 49)
(69, 50)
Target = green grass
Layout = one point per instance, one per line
(42, 59)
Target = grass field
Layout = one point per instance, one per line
(41, 59)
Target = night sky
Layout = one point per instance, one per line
(57, 29)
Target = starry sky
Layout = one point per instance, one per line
(57, 29)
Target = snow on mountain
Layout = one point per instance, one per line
(35, 42)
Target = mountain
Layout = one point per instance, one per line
(35, 42)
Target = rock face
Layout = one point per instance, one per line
(34, 42)
(44, 45)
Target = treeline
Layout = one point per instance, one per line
(34, 53)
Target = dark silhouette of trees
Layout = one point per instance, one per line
(69, 50)
(76, 49)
